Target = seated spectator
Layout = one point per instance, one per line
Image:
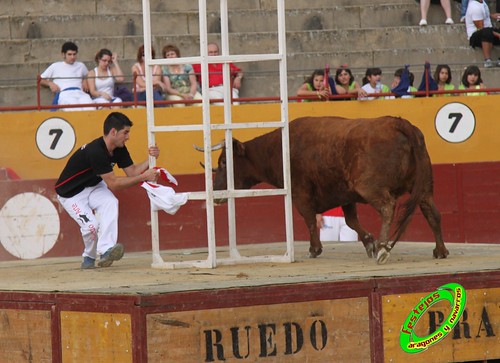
(372, 84)
(179, 79)
(424, 9)
(480, 30)
(397, 81)
(139, 73)
(442, 76)
(345, 80)
(332, 226)
(103, 77)
(215, 79)
(472, 80)
(315, 86)
(68, 79)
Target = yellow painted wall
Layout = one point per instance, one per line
(19, 149)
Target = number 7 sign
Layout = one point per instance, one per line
(455, 122)
(55, 138)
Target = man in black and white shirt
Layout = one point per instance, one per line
(86, 183)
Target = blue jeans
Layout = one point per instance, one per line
(465, 3)
(157, 96)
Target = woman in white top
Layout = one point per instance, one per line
(103, 77)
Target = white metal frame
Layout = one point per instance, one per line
(209, 194)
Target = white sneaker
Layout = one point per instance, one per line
(488, 63)
(423, 22)
(449, 21)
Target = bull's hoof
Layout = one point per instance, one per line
(313, 253)
(370, 250)
(440, 254)
(382, 256)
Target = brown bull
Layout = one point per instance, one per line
(340, 162)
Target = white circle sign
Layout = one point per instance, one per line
(29, 225)
(55, 138)
(455, 122)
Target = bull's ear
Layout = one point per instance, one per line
(238, 148)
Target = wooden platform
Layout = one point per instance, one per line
(340, 307)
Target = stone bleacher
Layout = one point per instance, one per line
(360, 33)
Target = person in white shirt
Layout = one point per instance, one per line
(102, 78)
(480, 31)
(67, 79)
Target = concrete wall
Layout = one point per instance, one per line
(359, 33)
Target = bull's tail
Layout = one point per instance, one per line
(420, 157)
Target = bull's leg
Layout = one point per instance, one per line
(315, 247)
(385, 207)
(351, 219)
(433, 218)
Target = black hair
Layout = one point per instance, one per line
(339, 70)
(117, 121)
(399, 73)
(471, 70)
(69, 46)
(439, 68)
(374, 71)
(317, 72)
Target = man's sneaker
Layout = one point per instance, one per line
(115, 253)
(488, 63)
(88, 263)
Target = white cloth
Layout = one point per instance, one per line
(477, 11)
(163, 197)
(95, 209)
(335, 229)
(66, 75)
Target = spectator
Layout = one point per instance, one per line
(442, 76)
(314, 86)
(471, 79)
(372, 84)
(85, 187)
(179, 79)
(103, 77)
(215, 79)
(345, 80)
(68, 79)
(480, 31)
(397, 80)
(424, 9)
(333, 227)
(463, 10)
(139, 73)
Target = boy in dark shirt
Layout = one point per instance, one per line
(86, 183)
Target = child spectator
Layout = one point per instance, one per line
(315, 86)
(472, 80)
(103, 77)
(442, 76)
(397, 80)
(372, 84)
(345, 80)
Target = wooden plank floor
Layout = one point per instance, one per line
(339, 262)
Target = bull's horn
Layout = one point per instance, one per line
(215, 147)
(203, 166)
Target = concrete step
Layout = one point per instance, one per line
(240, 21)
(438, 36)
(99, 7)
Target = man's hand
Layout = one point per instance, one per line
(151, 175)
(154, 151)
